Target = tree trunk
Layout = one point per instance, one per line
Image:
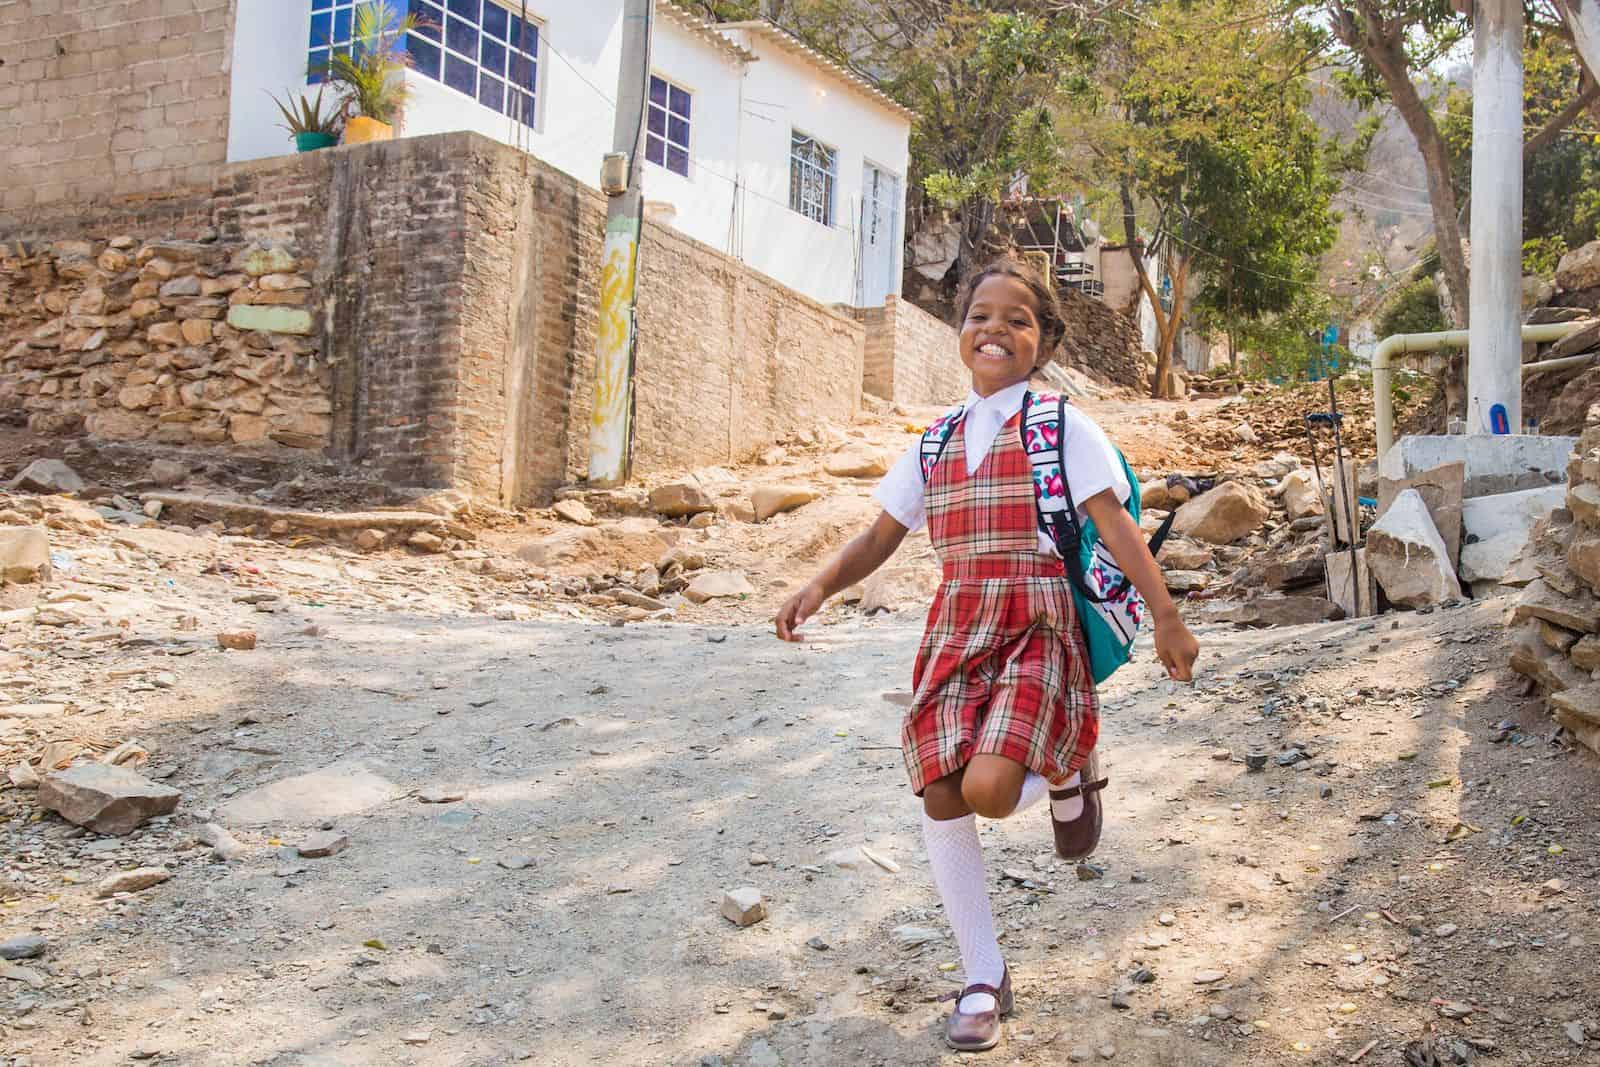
(1382, 43)
(1169, 334)
(1131, 236)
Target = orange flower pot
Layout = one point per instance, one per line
(362, 129)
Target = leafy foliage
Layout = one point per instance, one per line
(372, 74)
(1413, 308)
(1560, 182)
(305, 116)
(1205, 122)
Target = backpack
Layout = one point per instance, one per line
(1109, 608)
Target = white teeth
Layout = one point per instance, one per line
(993, 350)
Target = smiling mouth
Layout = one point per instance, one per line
(994, 351)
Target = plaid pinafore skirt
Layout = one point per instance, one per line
(1002, 668)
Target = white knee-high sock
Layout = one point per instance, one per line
(1072, 807)
(956, 857)
(1035, 787)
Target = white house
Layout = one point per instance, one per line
(755, 144)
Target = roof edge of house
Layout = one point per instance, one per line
(865, 86)
(707, 31)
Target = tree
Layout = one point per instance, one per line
(987, 78)
(1203, 118)
(1387, 41)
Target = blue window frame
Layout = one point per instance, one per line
(479, 49)
(666, 142)
(330, 32)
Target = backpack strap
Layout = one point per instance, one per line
(937, 436)
(1044, 437)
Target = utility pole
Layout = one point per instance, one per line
(611, 424)
(1494, 349)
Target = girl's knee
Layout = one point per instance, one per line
(942, 799)
(992, 796)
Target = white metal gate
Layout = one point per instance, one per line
(880, 236)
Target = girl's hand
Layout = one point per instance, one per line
(800, 607)
(1177, 647)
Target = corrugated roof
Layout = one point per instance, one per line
(792, 44)
(707, 31)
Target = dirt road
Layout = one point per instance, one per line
(615, 781)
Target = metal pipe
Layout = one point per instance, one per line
(1400, 344)
(1530, 369)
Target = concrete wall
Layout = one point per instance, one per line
(784, 93)
(912, 357)
(451, 292)
(108, 97)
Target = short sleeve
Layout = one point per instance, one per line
(900, 491)
(1093, 465)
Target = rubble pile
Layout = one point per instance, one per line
(1276, 418)
(172, 342)
(1558, 644)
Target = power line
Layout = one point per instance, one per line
(738, 185)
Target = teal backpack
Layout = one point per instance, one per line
(1109, 608)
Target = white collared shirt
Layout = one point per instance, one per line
(1092, 465)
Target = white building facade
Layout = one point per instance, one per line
(754, 144)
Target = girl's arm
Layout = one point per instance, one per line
(1174, 643)
(863, 555)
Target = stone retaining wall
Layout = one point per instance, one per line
(171, 341)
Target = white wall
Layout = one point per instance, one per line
(783, 93)
(704, 200)
(742, 118)
(572, 127)
(269, 56)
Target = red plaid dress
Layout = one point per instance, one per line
(1002, 668)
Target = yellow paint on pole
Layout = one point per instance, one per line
(613, 386)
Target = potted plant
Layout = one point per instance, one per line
(308, 127)
(372, 75)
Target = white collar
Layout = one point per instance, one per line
(1007, 402)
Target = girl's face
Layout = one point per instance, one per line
(1000, 335)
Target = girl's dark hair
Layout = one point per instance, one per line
(1052, 322)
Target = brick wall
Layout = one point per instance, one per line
(103, 98)
(453, 283)
(911, 356)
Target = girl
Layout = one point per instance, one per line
(1004, 709)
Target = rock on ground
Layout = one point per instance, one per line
(897, 588)
(574, 511)
(1185, 555)
(770, 500)
(323, 844)
(714, 584)
(1300, 496)
(1281, 611)
(107, 800)
(24, 554)
(859, 461)
(1579, 268)
(744, 906)
(48, 476)
(331, 792)
(1408, 557)
(131, 881)
(1223, 515)
(1441, 489)
(677, 499)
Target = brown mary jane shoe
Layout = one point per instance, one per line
(979, 1030)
